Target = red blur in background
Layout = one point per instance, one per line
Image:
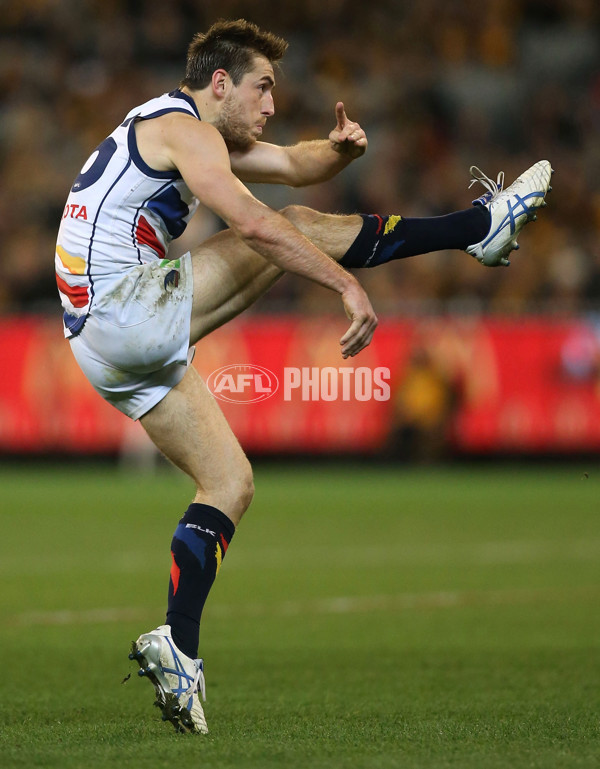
(456, 386)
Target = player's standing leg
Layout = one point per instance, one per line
(190, 429)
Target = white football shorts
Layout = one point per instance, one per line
(135, 344)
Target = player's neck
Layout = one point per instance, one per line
(201, 99)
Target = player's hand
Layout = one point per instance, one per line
(364, 321)
(347, 138)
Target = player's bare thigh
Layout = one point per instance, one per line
(229, 276)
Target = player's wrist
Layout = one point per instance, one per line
(349, 285)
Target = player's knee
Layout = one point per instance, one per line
(246, 491)
(241, 490)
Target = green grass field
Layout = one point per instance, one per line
(363, 618)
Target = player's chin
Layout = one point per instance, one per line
(241, 144)
(251, 135)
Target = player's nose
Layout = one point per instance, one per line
(268, 105)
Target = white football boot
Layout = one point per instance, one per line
(510, 208)
(177, 679)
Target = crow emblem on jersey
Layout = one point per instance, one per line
(172, 279)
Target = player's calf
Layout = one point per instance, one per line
(331, 233)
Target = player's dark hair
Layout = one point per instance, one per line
(232, 46)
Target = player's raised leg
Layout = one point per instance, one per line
(229, 276)
(190, 429)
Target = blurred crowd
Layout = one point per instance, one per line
(437, 85)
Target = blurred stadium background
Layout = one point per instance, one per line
(482, 361)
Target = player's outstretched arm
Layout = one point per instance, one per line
(198, 151)
(308, 162)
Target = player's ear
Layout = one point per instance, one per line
(220, 83)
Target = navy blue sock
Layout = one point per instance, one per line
(199, 545)
(382, 239)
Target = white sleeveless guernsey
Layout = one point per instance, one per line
(120, 214)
